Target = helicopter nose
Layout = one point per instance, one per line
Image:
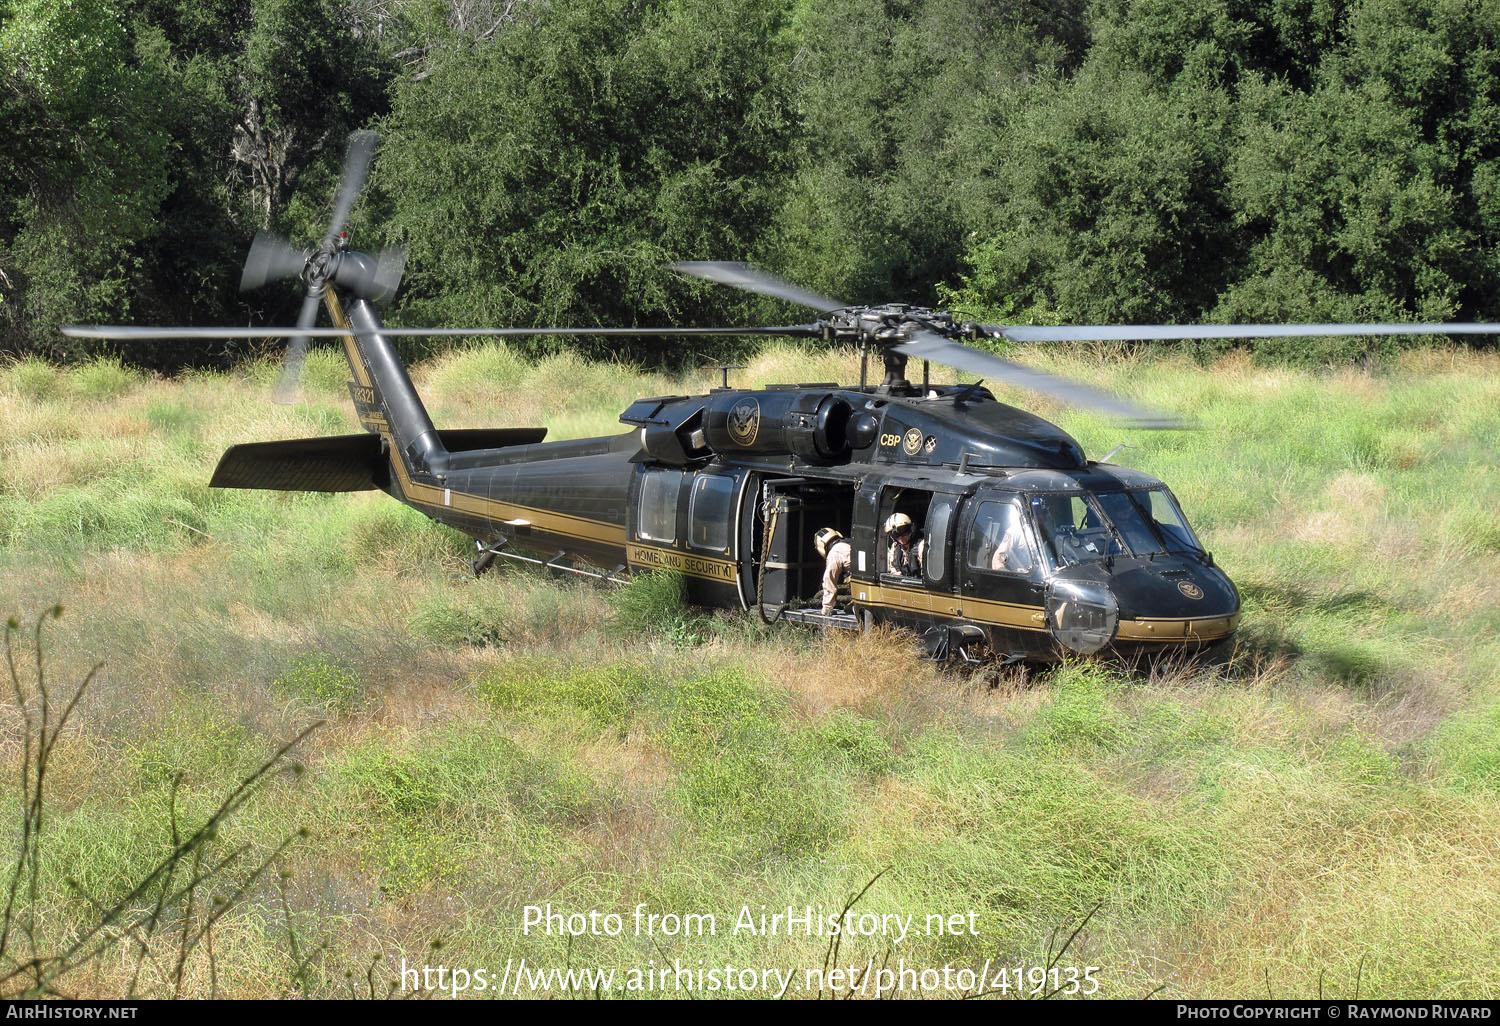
(1175, 602)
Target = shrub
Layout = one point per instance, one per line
(322, 681)
(34, 379)
(655, 604)
(104, 378)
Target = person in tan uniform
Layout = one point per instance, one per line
(1012, 552)
(835, 549)
(908, 546)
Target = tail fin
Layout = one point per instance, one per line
(384, 397)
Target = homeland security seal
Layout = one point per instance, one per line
(744, 421)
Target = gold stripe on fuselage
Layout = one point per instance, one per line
(564, 525)
(950, 606)
(1019, 616)
(351, 351)
(1178, 629)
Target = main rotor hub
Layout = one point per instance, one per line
(885, 327)
(892, 324)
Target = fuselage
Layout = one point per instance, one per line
(1029, 550)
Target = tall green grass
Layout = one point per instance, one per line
(1324, 807)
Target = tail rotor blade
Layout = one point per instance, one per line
(390, 266)
(296, 351)
(356, 167)
(271, 258)
(753, 279)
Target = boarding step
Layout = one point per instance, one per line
(814, 615)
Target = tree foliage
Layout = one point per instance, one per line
(593, 146)
(1031, 160)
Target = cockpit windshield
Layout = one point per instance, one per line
(1078, 527)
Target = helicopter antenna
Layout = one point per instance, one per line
(725, 368)
(963, 396)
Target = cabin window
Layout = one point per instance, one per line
(709, 512)
(936, 562)
(998, 540)
(657, 516)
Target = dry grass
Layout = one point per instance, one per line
(1319, 808)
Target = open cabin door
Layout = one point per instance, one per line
(778, 575)
(782, 568)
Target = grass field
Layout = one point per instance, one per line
(1320, 815)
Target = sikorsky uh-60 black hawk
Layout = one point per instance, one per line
(1032, 550)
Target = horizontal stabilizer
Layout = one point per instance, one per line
(469, 439)
(341, 463)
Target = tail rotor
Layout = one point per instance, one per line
(273, 258)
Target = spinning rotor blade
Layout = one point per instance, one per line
(753, 279)
(390, 266)
(1146, 332)
(271, 257)
(296, 350)
(928, 345)
(112, 332)
(356, 167)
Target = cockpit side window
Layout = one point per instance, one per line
(998, 540)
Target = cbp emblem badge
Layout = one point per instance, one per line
(744, 421)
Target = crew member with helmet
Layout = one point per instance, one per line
(908, 546)
(835, 549)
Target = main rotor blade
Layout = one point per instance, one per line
(753, 279)
(356, 167)
(271, 257)
(127, 333)
(296, 350)
(1146, 332)
(928, 345)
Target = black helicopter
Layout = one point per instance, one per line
(1029, 549)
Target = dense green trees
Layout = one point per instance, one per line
(1112, 160)
(142, 144)
(549, 176)
(1238, 161)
